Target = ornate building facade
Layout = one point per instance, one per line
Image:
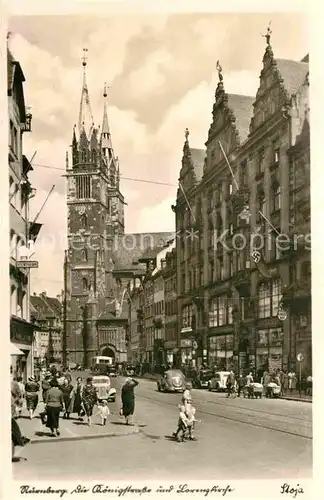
(231, 311)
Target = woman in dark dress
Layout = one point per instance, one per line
(67, 389)
(76, 398)
(128, 399)
(89, 398)
(54, 405)
(31, 391)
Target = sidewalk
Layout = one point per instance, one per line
(73, 429)
(295, 396)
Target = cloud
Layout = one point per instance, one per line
(161, 70)
(158, 218)
(150, 78)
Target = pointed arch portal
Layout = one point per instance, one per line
(108, 351)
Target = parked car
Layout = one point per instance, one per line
(218, 382)
(100, 369)
(103, 387)
(202, 378)
(172, 381)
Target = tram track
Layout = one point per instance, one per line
(235, 418)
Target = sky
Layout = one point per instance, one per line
(161, 70)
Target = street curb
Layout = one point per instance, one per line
(48, 439)
(297, 399)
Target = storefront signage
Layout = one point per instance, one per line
(27, 264)
(170, 344)
(300, 357)
(195, 345)
(185, 343)
(186, 329)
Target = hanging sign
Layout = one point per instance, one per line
(195, 345)
(282, 314)
(27, 264)
(300, 357)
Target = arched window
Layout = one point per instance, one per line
(84, 255)
(85, 284)
(83, 220)
(94, 156)
(264, 300)
(276, 194)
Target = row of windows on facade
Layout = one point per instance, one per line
(221, 308)
(84, 189)
(187, 220)
(222, 190)
(154, 309)
(223, 267)
(151, 335)
(16, 242)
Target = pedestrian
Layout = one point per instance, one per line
(186, 396)
(46, 384)
(249, 379)
(128, 400)
(89, 398)
(230, 383)
(240, 385)
(31, 390)
(67, 389)
(17, 439)
(20, 401)
(76, 399)
(104, 412)
(182, 424)
(54, 405)
(309, 385)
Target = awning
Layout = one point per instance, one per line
(14, 351)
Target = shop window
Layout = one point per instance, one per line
(263, 337)
(264, 300)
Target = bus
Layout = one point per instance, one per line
(102, 360)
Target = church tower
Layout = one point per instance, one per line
(95, 215)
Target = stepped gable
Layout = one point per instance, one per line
(293, 74)
(130, 247)
(242, 108)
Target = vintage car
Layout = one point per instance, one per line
(103, 388)
(202, 378)
(172, 381)
(218, 381)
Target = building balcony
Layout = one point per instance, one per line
(241, 279)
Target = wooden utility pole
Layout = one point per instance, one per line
(64, 340)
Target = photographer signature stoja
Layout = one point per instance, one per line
(290, 490)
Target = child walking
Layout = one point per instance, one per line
(182, 424)
(104, 412)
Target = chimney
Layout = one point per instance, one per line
(43, 294)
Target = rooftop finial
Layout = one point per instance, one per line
(186, 133)
(84, 58)
(267, 36)
(220, 71)
(105, 89)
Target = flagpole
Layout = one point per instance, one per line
(228, 164)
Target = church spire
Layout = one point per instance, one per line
(85, 113)
(105, 132)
